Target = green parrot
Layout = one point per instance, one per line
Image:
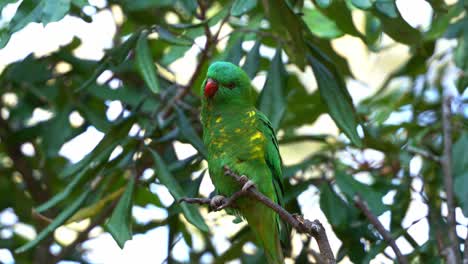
(241, 137)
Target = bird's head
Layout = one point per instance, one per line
(226, 83)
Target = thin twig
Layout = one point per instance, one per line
(423, 153)
(380, 228)
(448, 180)
(313, 228)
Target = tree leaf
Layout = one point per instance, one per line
(288, 26)
(460, 182)
(351, 188)
(54, 10)
(323, 3)
(321, 25)
(362, 4)
(144, 62)
(460, 159)
(335, 95)
(241, 7)
(252, 61)
(58, 221)
(189, 133)
(333, 206)
(190, 211)
(120, 222)
(234, 49)
(272, 101)
(166, 35)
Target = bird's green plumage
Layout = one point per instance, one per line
(238, 135)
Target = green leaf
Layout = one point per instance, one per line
(241, 7)
(351, 188)
(190, 211)
(460, 159)
(252, 61)
(234, 49)
(189, 133)
(290, 27)
(362, 4)
(393, 24)
(272, 101)
(323, 3)
(66, 192)
(335, 95)
(120, 222)
(117, 135)
(58, 221)
(333, 206)
(54, 10)
(460, 182)
(321, 25)
(144, 62)
(166, 35)
(387, 7)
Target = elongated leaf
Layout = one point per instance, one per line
(320, 24)
(234, 52)
(104, 148)
(166, 35)
(54, 10)
(351, 187)
(362, 4)
(252, 61)
(333, 207)
(189, 133)
(120, 222)
(58, 221)
(288, 26)
(165, 177)
(145, 64)
(63, 194)
(95, 208)
(335, 95)
(241, 7)
(272, 100)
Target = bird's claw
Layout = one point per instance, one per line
(217, 202)
(247, 185)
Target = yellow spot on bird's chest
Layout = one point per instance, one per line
(255, 136)
(251, 113)
(218, 119)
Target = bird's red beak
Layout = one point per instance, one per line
(211, 87)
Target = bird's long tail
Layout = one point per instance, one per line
(264, 224)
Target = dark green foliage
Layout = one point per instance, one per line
(46, 190)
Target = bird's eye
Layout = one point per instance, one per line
(230, 85)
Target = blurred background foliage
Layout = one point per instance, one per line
(389, 150)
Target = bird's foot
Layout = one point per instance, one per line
(217, 202)
(248, 183)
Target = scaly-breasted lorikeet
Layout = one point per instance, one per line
(239, 136)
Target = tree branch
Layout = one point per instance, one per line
(380, 228)
(312, 228)
(448, 179)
